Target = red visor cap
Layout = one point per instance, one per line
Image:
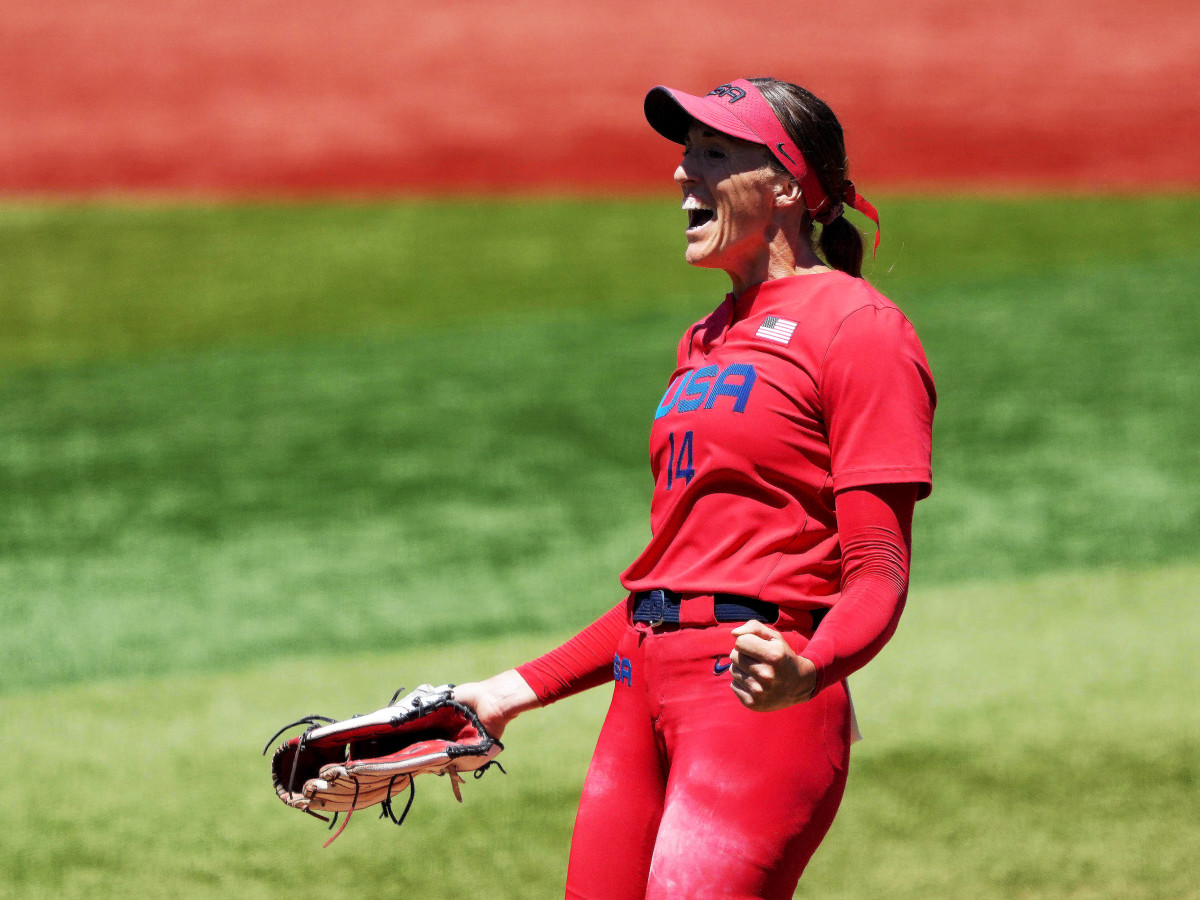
(671, 112)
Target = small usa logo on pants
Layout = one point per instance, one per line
(622, 670)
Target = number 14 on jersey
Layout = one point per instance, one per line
(676, 468)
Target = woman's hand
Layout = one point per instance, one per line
(497, 700)
(767, 673)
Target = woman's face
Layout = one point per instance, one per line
(729, 190)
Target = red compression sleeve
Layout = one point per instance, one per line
(583, 662)
(875, 529)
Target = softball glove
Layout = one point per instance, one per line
(340, 767)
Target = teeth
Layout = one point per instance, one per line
(693, 203)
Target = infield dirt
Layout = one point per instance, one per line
(312, 97)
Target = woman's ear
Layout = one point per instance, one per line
(787, 193)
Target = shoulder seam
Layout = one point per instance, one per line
(832, 338)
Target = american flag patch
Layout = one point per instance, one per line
(776, 329)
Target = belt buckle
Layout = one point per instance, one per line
(661, 598)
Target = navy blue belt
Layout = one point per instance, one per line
(658, 607)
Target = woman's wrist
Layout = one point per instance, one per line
(809, 678)
(510, 693)
(497, 700)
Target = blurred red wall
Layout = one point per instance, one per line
(313, 96)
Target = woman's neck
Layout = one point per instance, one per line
(782, 260)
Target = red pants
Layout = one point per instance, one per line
(690, 794)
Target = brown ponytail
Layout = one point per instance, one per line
(810, 122)
(842, 246)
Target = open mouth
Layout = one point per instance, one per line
(698, 212)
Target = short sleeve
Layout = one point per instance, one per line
(878, 397)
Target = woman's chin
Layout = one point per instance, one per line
(698, 254)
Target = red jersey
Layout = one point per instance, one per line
(801, 387)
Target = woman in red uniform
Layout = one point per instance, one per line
(788, 452)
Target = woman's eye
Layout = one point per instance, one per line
(706, 152)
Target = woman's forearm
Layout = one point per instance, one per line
(874, 526)
(584, 661)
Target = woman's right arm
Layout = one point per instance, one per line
(583, 662)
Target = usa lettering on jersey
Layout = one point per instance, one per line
(703, 388)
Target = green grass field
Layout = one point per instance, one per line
(250, 452)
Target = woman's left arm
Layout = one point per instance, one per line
(875, 529)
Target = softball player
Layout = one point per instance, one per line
(788, 452)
